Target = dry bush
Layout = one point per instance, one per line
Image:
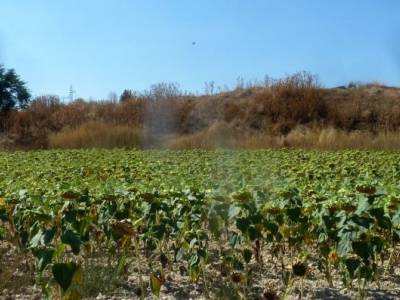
(6, 143)
(27, 130)
(99, 135)
(368, 107)
(296, 99)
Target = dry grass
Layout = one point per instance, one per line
(221, 136)
(333, 139)
(98, 135)
(218, 135)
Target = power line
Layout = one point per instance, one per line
(71, 93)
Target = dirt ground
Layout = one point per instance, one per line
(17, 281)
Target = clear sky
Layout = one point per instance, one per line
(103, 46)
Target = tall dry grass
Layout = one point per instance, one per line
(334, 139)
(221, 136)
(99, 135)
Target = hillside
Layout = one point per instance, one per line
(291, 112)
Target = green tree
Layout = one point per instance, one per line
(13, 92)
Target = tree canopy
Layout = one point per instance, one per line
(13, 92)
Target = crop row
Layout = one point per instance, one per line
(301, 214)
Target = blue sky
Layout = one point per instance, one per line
(103, 46)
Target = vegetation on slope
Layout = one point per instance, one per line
(291, 112)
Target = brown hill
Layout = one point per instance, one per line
(266, 115)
